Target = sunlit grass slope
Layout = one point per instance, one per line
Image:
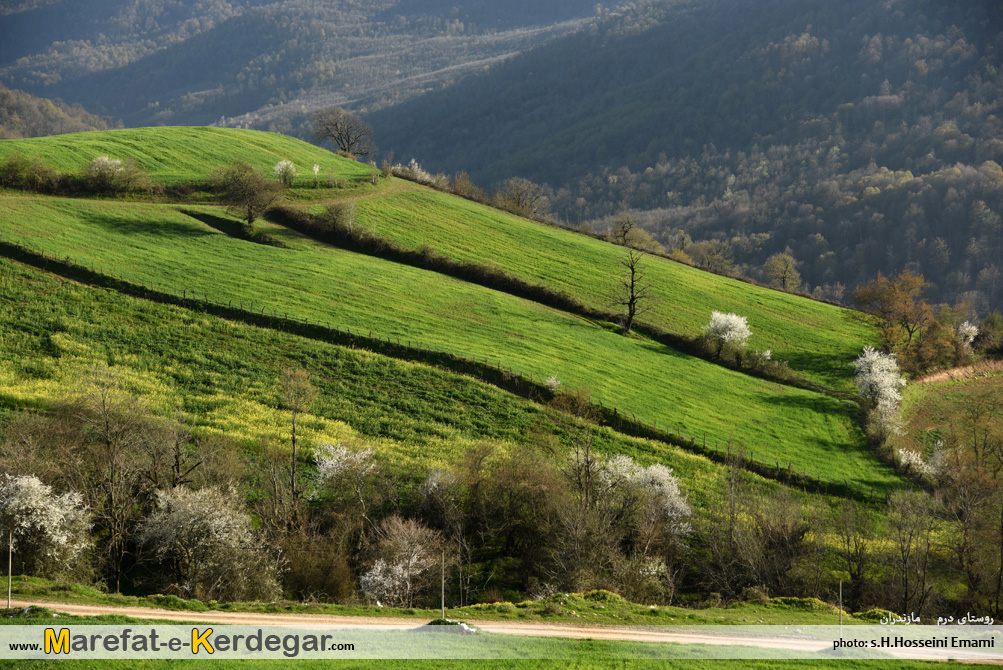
(225, 376)
(818, 339)
(181, 154)
(149, 242)
(966, 409)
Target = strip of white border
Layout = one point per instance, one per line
(145, 641)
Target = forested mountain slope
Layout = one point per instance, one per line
(863, 136)
(24, 115)
(172, 62)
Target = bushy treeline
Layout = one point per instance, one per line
(102, 176)
(23, 115)
(141, 502)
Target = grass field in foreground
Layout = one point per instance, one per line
(815, 338)
(174, 155)
(145, 242)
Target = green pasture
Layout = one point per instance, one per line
(174, 155)
(147, 243)
(225, 375)
(815, 338)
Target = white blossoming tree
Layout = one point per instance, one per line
(967, 332)
(407, 552)
(204, 543)
(727, 330)
(878, 380)
(349, 476)
(285, 172)
(102, 173)
(49, 530)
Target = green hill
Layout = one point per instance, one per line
(169, 247)
(181, 155)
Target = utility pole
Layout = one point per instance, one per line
(10, 561)
(444, 584)
(840, 609)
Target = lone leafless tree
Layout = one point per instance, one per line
(345, 130)
(633, 289)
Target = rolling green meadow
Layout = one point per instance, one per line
(155, 244)
(169, 248)
(225, 373)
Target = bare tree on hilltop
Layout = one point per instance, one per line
(346, 131)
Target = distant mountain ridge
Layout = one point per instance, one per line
(860, 136)
(178, 63)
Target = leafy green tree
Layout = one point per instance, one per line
(781, 272)
(245, 191)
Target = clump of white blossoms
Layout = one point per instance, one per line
(104, 166)
(285, 172)
(49, 530)
(553, 383)
(967, 332)
(620, 471)
(335, 460)
(878, 380)
(209, 541)
(727, 329)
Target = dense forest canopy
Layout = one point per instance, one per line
(860, 136)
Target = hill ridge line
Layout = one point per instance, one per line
(505, 379)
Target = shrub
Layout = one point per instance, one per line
(102, 174)
(49, 531)
(285, 172)
(204, 541)
(28, 174)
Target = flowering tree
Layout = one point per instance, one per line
(654, 485)
(49, 531)
(285, 172)
(316, 175)
(205, 542)
(102, 173)
(407, 553)
(727, 329)
(967, 332)
(879, 380)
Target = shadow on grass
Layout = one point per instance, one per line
(233, 228)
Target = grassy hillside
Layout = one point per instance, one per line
(226, 376)
(169, 246)
(154, 243)
(817, 339)
(181, 155)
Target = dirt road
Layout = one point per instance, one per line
(533, 629)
